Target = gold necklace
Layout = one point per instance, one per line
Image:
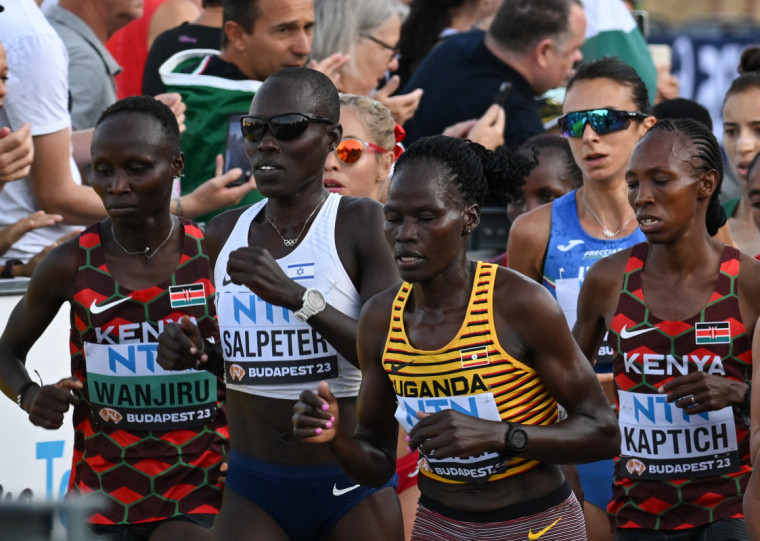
(147, 248)
(606, 232)
(293, 242)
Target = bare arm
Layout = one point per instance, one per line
(597, 302)
(49, 288)
(590, 431)
(368, 456)
(528, 240)
(53, 187)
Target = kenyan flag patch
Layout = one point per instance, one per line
(187, 295)
(715, 332)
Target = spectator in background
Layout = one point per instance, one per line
(260, 37)
(130, 45)
(531, 43)
(430, 21)
(16, 149)
(84, 26)
(204, 32)
(367, 31)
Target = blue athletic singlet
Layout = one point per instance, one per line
(572, 251)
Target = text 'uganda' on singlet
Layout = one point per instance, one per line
(149, 439)
(472, 374)
(678, 470)
(267, 350)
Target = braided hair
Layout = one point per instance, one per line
(707, 151)
(470, 168)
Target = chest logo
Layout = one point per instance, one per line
(570, 245)
(474, 356)
(187, 295)
(625, 333)
(714, 332)
(96, 308)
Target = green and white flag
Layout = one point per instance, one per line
(612, 31)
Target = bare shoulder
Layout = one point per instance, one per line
(528, 239)
(356, 208)
(748, 287)
(519, 293)
(377, 309)
(220, 227)
(55, 276)
(608, 272)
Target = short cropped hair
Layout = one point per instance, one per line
(243, 12)
(150, 106)
(520, 24)
(315, 89)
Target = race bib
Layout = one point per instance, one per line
(472, 469)
(265, 344)
(567, 290)
(128, 389)
(662, 441)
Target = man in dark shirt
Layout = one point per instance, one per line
(532, 44)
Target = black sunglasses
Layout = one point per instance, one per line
(603, 121)
(283, 127)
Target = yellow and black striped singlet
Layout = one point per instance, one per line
(472, 364)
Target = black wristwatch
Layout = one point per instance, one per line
(515, 440)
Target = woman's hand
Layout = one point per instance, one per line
(180, 346)
(450, 433)
(316, 416)
(49, 403)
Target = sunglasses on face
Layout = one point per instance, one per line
(283, 127)
(603, 121)
(351, 150)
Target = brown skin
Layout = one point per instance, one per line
(133, 178)
(261, 427)
(681, 267)
(424, 221)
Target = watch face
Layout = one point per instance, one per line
(518, 439)
(315, 299)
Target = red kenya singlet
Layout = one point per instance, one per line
(677, 470)
(148, 439)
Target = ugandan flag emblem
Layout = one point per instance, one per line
(714, 332)
(187, 295)
(474, 356)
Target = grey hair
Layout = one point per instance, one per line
(339, 24)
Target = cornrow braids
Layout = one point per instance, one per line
(470, 168)
(707, 150)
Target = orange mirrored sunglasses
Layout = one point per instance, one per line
(350, 150)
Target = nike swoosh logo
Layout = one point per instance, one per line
(226, 280)
(569, 246)
(533, 536)
(415, 472)
(625, 334)
(98, 308)
(341, 491)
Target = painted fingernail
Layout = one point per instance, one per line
(325, 407)
(332, 419)
(328, 424)
(319, 431)
(408, 437)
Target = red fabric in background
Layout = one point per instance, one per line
(129, 46)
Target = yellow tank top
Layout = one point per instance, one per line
(472, 374)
